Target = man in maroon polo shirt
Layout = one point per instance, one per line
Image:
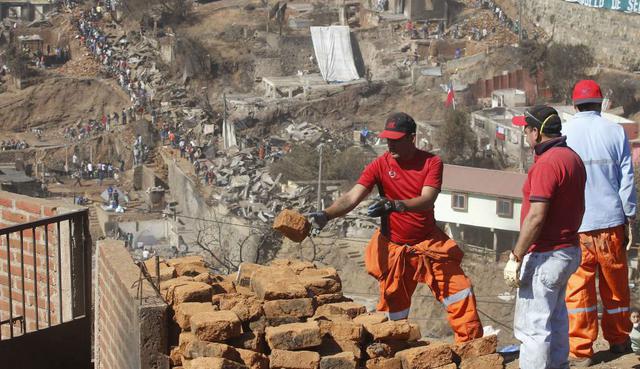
(547, 251)
(409, 247)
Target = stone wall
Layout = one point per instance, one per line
(611, 35)
(130, 323)
(31, 263)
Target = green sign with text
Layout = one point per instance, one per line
(627, 6)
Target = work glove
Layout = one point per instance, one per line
(318, 221)
(384, 206)
(512, 271)
(630, 230)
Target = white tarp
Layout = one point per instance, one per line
(228, 134)
(333, 53)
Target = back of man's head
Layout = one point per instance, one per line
(587, 96)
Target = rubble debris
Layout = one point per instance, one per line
(283, 328)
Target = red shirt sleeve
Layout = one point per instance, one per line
(544, 183)
(433, 177)
(369, 176)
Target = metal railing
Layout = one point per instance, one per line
(54, 256)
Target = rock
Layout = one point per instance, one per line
(259, 325)
(390, 330)
(214, 363)
(294, 336)
(330, 298)
(320, 281)
(298, 308)
(492, 361)
(478, 347)
(166, 272)
(281, 359)
(175, 356)
(343, 329)
(223, 287)
(184, 311)
(414, 333)
(292, 225)
(216, 326)
(248, 308)
(384, 363)
(296, 265)
(370, 318)
(349, 309)
(178, 281)
(190, 269)
(198, 348)
(205, 277)
(250, 341)
(254, 360)
(343, 360)
(331, 346)
(188, 292)
(426, 357)
(184, 339)
(276, 283)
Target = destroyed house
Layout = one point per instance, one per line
(480, 208)
(25, 10)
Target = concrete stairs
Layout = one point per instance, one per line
(353, 250)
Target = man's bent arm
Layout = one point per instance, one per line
(423, 202)
(531, 227)
(347, 202)
(627, 190)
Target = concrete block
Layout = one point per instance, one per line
(275, 283)
(478, 347)
(214, 363)
(384, 363)
(320, 281)
(188, 292)
(216, 326)
(292, 225)
(294, 336)
(343, 360)
(298, 308)
(349, 309)
(248, 308)
(254, 360)
(426, 357)
(390, 330)
(281, 359)
(250, 341)
(184, 311)
(492, 361)
(198, 348)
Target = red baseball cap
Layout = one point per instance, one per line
(543, 117)
(397, 126)
(586, 91)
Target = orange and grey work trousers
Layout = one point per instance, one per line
(435, 262)
(603, 251)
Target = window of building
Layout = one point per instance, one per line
(459, 201)
(504, 208)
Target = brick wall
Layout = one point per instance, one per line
(130, 325)
(31, 264)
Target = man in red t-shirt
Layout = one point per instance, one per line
(409, 248)
(547, 251)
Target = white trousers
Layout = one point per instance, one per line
(541, 321)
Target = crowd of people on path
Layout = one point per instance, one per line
(100, 171)
(115, 64)
(13, 144)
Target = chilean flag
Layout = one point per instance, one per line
(451, 100)
(500, 133)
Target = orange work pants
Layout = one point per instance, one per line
(435, 262)
(603, 251)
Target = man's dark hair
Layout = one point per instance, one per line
(590, 107)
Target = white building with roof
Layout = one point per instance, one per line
(480, 208)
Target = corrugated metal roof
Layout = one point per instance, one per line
(496, 183)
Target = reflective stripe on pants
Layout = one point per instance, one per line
(603, 253)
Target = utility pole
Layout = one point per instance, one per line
(319, 205)
(520, 20)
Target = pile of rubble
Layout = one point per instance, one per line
(292, 315)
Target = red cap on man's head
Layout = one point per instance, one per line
(586, 91)
(397, 126)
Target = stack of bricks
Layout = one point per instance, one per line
(292, 315)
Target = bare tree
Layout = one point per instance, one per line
(214, 238)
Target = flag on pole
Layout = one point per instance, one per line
(500, 133)
(451, 100)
